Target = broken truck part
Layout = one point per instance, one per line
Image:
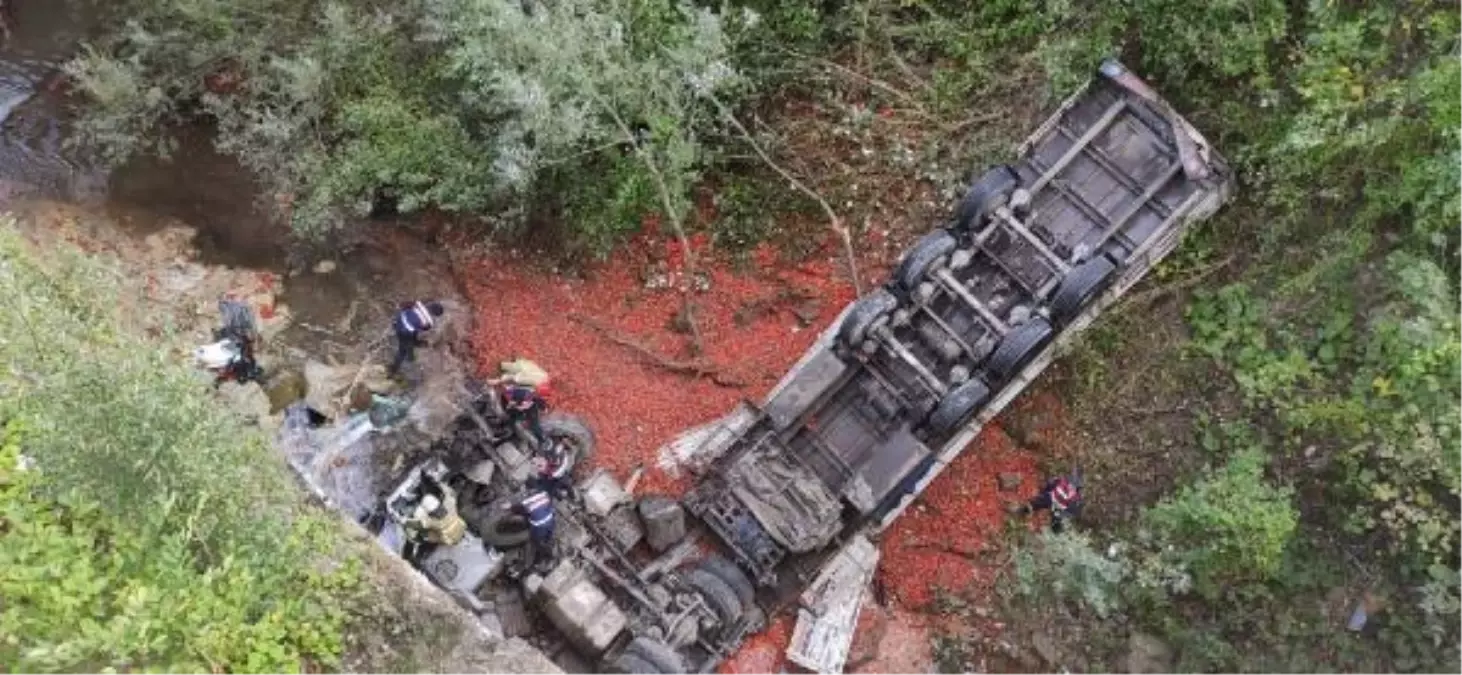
(790, 492)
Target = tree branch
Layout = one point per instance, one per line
(693, 368)
(833, 220)
(671, 213)
(1179, 285)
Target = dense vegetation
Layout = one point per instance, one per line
(143, 529)
(1337, 328)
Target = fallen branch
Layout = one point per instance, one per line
(693, 368)
(1187, 282)
(833, 220)
(869, 80)
(365, 363)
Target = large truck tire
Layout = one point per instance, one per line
(923, 257)
(1083, 283)
(631, 664)
(727, 571)
(574, 433)
(656, 653)
(958, 406)
(1018, 347)
(868, 312)
(504, 529)
(717, 594)
(985, 196)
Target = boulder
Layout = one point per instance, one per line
(601, 493)
(326, 387)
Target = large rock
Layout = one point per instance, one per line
(326, 387)
(440, 393)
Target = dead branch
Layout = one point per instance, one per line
(866, 79)
(693, 368)
(834, 221)
(976, 557)
(1151, 294)
(671, 213)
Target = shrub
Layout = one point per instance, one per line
(153, 532)
(1067, 566)
(1232, 526)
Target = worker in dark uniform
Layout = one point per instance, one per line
(414, 319)
(524, 404)
(537, 507)
(551, 472)
(1062, 496)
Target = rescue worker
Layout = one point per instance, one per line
(524, 405)
(537, 507)
(232, 356)
(1062, 496)
(521, 371)
(435, 518)
(414, 319)
(551, 472)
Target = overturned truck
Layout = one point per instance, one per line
(789, 490)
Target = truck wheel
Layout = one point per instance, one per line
(574, 434)
(717, 594)
(727, 571)
(657, 654)
(503, 529)
(869, 310)
(629, 663)
(957, 406)
(923, 257)
(1082, 283)
(987, 194)
(1018, 347)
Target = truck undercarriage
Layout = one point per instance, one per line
(789, 492)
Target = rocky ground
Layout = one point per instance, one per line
(415, 627)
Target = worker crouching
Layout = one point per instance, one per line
(1062, 497)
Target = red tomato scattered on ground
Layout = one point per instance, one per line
(754, 323)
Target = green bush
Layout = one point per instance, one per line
(1067, 566)
(1230, 527)
(152, 531)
